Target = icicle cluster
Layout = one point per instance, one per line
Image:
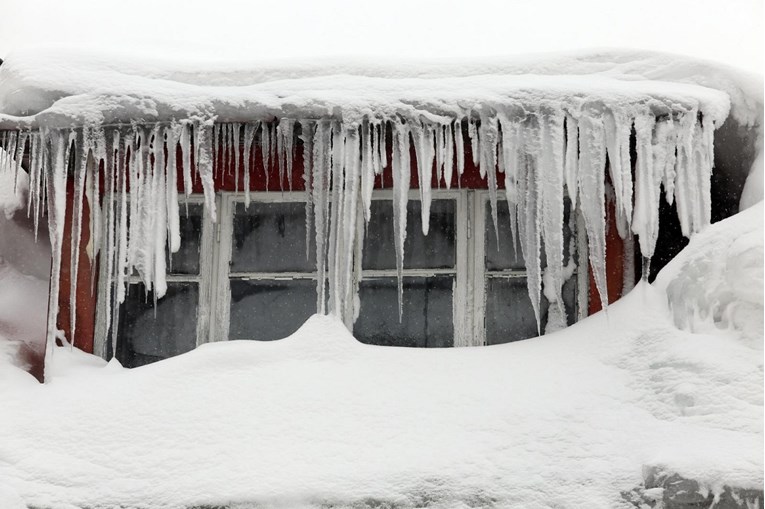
(541, 156)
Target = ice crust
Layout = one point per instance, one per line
(544, 136)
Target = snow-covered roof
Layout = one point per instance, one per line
(58, 89)
(541, 124)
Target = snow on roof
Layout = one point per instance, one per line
(543, 123)
(58, 89)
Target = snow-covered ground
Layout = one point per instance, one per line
(571, 419)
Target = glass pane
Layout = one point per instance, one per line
(506, 257)
(186, 260)
(509, 314)
(270, 237)
(427, 317)
(436, 251)
(266, 310)
(147, 334)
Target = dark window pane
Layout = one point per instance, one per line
(186, 260)
(147, 334)
(509, 314)
(427, 318)
(270, 237)
(266, 310)
(506, 256)
(436, 251)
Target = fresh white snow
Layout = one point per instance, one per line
(570, 419)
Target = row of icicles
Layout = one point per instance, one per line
(540, 159)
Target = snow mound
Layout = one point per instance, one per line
(572, 419)
(718, 280)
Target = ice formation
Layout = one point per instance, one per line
(542, 152)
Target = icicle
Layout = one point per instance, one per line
(572, 159)
(650, 169)
(669, 128)
(489, 136)
(473, 135)
(82, 152)
(705, 160)
(18, 156)
(265, 148)
(320, 195)
(236, 132)
(448, 154)
(161, 216)
(58, 162)
(617, 129)
(249, 141)
(217, 136)
(551, 180)
(685, 175)
(124, 171)
(10, 154)
(111, 139)
(592, 161)
(125, 146)
(383, 146)
(173, 134)
(336, 236)
(440, 154)
(307, 132)
(459, 142)
(513, 164)
(286, 151)
(422, 136)
(203, 147)
(186, 152)
(378, 146)
(367, 167)
(401, 183)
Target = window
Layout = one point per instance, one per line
(429, 277)
(508, 312)
(253, 276)
(150, 331)
(271, 271)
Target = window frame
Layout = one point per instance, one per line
(469, 271)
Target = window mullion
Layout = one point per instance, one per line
(462, 313)
(477, 270)
(219, 295)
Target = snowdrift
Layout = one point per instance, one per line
(571, 419)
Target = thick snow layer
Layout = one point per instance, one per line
(55, 86)
(317, 419)
(718, 282)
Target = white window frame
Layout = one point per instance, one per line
(469, 296)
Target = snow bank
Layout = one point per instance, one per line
(24, 268)
(571, 419)
(718, 281)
